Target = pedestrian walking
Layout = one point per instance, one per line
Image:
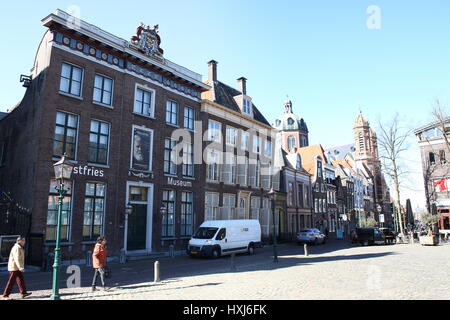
(99, 262)
(16, 268)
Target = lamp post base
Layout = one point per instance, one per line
(55, 297)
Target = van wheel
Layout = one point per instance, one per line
(216, 253)
(251, 249)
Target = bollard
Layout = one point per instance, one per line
(172, 251)
(233, 262)
(122, 258)
(49, 263)
(305, 248)
(157, 274)
(89, 258)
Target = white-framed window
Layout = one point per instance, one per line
(268, 149)
(291, 142)
(188, 160)
(189, 117)
(169, 166)
(52, 213)
(144, 101)
(242, 172)
(231, 136)
(245, 140)
(66, 135)
(168, 217)
(255, 207)
(214, 131)
(94, 210)
(211, 206)
(228, 209)
(187, 213)
(98, 142)
(256, 144)
(103, 90)
(71, 79)
(247, 106)
(228, 170)
(258, 173)
(213, 165)
(172, 112)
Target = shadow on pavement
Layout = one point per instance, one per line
(134, 274)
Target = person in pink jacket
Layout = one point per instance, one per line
(99, 262)
(16, 267)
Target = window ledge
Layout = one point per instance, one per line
(172, 125)
(189, 178)
(171, 175)
(109, 106)
(143, 115)
(71, 95)
(106, 166)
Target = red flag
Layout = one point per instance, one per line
(440, 185)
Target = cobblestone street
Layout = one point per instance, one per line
(332, 271)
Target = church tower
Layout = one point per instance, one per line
(293, 129)
(367, 152)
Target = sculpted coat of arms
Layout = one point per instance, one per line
(148, 40)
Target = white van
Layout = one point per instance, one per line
(221, 237)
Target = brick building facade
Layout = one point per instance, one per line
(111, 105)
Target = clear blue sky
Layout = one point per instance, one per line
(319, 52)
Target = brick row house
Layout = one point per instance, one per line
(434, 151)
(111, 106)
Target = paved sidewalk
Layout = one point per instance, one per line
(333, 271)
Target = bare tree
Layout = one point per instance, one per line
(392, 145)
(442, 121)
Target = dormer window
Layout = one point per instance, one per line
(290, 121)
(247, 107)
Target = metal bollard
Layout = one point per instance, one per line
(122, 258)
(305, 248)
(49, 263)
(233, 262)
(157, 273)
(89, 258)
(172, 251)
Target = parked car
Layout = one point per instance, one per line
(389, 235)
(370, 236)
(313, 236)
(216, 238)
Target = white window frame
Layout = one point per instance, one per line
(245, 140)
(231, 136)
(214, 133)
(80, 96)
(110, 105)
(152, 100)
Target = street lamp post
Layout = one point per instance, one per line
(63, 174)
(128, 211)
(379, 209)
(274, 236)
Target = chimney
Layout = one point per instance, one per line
(242, 85)
(212, 70)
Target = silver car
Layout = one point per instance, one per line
(313, 236)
